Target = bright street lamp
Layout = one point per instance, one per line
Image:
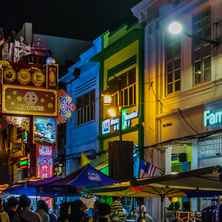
(107, 99)
(177, 28)
(112, 112)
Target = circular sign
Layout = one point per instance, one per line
(9, 75)
(24, 76)
(31, 98)
(38, 78)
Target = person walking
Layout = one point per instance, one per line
(3, 214)
(24, 213)
(12, 205)
(52, 217)
(64, 213)
(103, 213)
(78, 214)
(43, 211)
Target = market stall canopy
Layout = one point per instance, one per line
(32, 188)
(22, 189)
(195, 182)
(85, 177)
(199, 180)
(43, 182)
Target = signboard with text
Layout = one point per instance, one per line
(212, 116)
(129, 120)
(29, 101)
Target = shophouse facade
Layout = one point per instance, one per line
(82, 130)
(182, 84)
(121, 75)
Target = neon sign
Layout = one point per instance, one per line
(66, 107)
(45, 161)
(127, 117)
(23, 163)
(112, 125)
(212, 118)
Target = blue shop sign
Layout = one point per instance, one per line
(212, 116)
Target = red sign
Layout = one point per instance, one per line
(45, 167)
(44, 160)
(29, 101)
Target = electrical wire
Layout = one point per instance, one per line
(179, 111)
(186, 122)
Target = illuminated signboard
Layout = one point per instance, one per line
(66, 107)
(44, 150)
(106, 127)
(30, 75)
(44, 130)
(45, 167)
(212, 115)
(129, 119)
(23, 163)
(110, 126)
(213, 118)
(44, 160)
(29, 101)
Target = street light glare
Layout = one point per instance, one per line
(175, 28)
(112, 112)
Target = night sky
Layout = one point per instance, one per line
(69, 18)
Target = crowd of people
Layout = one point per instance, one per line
(20, 210)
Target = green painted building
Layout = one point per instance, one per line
(121, 65)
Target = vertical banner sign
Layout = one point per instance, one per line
(44, 136)
(44, 161)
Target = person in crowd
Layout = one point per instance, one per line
(52, 217)
(64, 213)
(24, 213)
(78, 209)
(117, 211)
(43, 211)
(12, 205)
(3, 214)
(103, 213)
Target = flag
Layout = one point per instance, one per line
(147, 169)
(84, 160)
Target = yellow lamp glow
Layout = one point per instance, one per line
(112, 112)
(107, 99)
(175, 199)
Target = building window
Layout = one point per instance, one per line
(173, 66)
(201, 55)
(86, 108)
(125, 85)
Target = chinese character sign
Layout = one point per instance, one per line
(28, 101)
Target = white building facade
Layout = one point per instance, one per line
(182, 84)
